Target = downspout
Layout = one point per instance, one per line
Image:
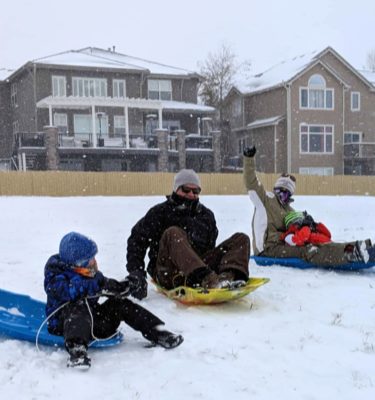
(343, 129)
(34, 92)
(289, 128)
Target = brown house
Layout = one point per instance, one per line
(109, 112)
(314, 114)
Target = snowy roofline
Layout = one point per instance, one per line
(93, 57)
(288, 70)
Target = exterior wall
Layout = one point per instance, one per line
(356, 121)
(320, 117)
(6, 134)
(265, 105)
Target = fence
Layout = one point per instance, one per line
(63, 183)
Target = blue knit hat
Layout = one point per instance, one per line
(77, 249)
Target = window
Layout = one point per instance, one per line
(13, 94)
(83, 124)
(89, 87)
(355, 101)
(119, 88)
(237, 107)
(159, 89)
(316, 95)
(324, 171)
(58, 86)
(61, 122)
(352, 137)
(118, 125)
(316, 138)
(15, 127)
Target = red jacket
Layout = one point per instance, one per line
(300, 236)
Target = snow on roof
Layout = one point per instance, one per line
(100, 58)
(369, 75)
(5, 73)
(73, 102)
(265, 122)
(279, 73)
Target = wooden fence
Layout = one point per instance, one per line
(61, 183)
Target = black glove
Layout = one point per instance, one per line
(308, 220)
(249, 151)
(111, 287)
(138, 284)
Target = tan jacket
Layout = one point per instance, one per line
(269, 213)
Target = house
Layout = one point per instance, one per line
(313, 114)
(110, 112)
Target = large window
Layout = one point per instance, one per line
(119, 88)
(118, 125)
(325, 171)
(61, 122)
(316, 95)
(355, 101)
(83, 124)
(13, 94)
(89, 87)
(159, 89)
(316, 138)
(58, 86)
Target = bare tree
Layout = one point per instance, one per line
(370, 61)
(218, 72)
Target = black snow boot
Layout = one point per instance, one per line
(78, 357)
(163, 338)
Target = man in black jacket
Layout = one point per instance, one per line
(181, 234)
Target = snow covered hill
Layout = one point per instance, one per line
(306, 335)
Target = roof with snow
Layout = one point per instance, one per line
(287, 70)
(4, 73)
(100, 58)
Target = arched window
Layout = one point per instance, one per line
(316, 95)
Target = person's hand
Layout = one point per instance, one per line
(112, 287)
(137, 284)
(249, 151)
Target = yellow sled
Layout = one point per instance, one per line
(200, 296)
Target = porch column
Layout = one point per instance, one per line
(181, 148)
(216, 150)
(160, 113)
(50, 115)
(162, 135)
(93, 116)
(127, 137)
(51, 140)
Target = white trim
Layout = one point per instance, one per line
(314, 170)
(351, 101)
(59, 83)
(116, 83)
(324, 134)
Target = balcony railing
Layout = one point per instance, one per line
(27, 139)
(139, 141)
(359, 150)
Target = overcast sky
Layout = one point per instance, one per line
(181, 33)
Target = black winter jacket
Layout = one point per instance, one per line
(193, 217)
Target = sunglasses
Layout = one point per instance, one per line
(292, 177)
(187, 190)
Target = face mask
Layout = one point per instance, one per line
(283, 195)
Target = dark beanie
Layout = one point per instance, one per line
(77, 249)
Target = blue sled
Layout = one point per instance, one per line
(21, 317)
(301, 264)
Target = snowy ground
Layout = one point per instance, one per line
(305, 335)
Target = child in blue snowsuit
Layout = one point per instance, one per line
(74, 284)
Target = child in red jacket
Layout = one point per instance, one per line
(301, 229)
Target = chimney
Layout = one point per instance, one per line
(113, 49)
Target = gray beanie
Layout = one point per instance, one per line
(285, 182)
(184, 177)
